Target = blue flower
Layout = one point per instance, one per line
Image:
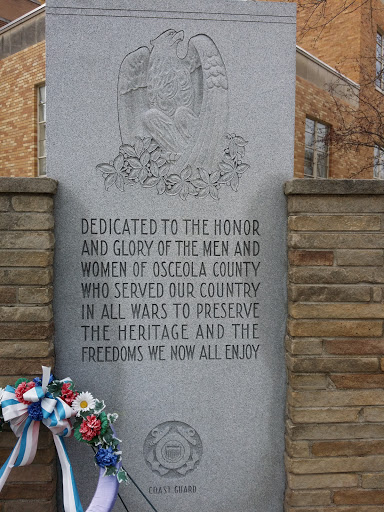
(35, 412)
(106, 457)
(37, 380)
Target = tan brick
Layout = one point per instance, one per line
(339, 293)
(33, 473)
(336, 464)
(4, 203)
(335, 431)
(30, 506)
(28, 490)
(358, 497)
(7, 295)
(24, 366)
(25, 349)
(374, 414)
(322, 481)
(304, 346)
(27, 240)
(34, 295)
(329, 328)
(26, 221)
(334, 398)
(314, 381)
(335, 204)
(356, 258)
(339, 508)
(300, 310)
(334, 223)
(355, 347)
(32, 203)
(372, 481)
(382, 364)
(26, 276)
(348, 448)
(335, 240)
(296, 448)
(311, 258)
(25, 313)
(25, 258)
(336, 275)
(358, 381)
(33, 331)
(301, 498)
(377, 294)
(325, 415)
(332, 364)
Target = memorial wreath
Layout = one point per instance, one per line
(66, 412)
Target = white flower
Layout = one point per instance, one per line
(83, 402)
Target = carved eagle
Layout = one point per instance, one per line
(182, 103)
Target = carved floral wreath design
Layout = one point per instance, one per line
(147, 164)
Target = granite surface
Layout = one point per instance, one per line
(171, 128)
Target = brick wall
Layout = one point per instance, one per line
(20, 74)
(335, 347)
(26, 325)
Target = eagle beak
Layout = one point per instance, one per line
(179, 36)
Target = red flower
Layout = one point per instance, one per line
(90, 427)
(67, 394)
(22, 388)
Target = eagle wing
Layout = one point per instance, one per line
(132, 99)
(211, 89)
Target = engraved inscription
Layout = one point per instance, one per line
(173, 449)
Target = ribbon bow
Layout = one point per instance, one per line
(25, 418)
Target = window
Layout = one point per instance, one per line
(380, 61)
(378, 167)
(316, 149)
(41, 128)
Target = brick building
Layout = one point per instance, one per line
(336, 52)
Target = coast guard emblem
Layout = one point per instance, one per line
(173, 449)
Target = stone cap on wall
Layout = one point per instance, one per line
(333, 187)
(28, 185)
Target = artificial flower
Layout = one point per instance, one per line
(67, 394)
(22, 388)
(83, 402)
(1, 393)
(35, 411)
(106, 457)
(90, 427)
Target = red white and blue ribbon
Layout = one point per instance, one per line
(55, 415)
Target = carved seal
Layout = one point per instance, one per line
(173, 449)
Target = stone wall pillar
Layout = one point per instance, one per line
(335, 346)
(26, 324)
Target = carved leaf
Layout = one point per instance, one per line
(199, 183)
(150, 182)
(173, 191)
(225, 178)
(120, 182)
(227, 167)
(146, 142)
(161, 187)
(118, 162)
(128, 150)
(242, 168)
(110, 180)
(174, 178)
(144, 159)
(235, 182)
(186, 173)
(135, 163)
(106, 168)
(240, 141)
(155, 169)
(139, 147)
(214, 193)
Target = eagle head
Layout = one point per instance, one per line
(168, 38)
